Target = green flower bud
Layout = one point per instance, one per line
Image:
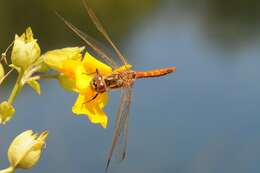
(6, 112)
(25, 150)
(25, 50)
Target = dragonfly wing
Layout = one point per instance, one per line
(86, 38)
(102, 30)
(122, 141)
(120, 136)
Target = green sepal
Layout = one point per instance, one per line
(35, 86)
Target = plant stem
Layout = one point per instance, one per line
(49, 76)
(8, 170)
(17, 87)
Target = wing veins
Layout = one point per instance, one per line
(86, 38)
(102, 30)
(121, 124)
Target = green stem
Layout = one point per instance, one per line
(17, 87)
(49, 76)
(8, 170)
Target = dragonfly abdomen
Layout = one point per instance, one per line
(154, 73)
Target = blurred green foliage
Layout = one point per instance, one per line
(118, 16)
(228, 22)
(233, 22)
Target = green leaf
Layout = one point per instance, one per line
(35, 85)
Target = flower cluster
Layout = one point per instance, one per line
(26, 60)
(78, 74)
(75, 73)
(25, 150)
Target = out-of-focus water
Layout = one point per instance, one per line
(204, 118)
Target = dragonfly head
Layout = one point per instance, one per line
(98, 83)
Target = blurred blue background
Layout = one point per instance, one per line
(205, 118)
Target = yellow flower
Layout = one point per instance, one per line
(64, 60)
(25, 50)
(82, 73)
(25, 150)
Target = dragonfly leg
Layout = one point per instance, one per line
(89, 73)
(96, 72)
(95, 96)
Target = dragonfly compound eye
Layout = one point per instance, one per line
(94, 83)
(98, 84)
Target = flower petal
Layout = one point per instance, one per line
(55, 58)
(92, 109)
(91, 64)
(123, 68)
(68, 67)
(102, 100)
(67, 83)
(99, 118)
(82, 81)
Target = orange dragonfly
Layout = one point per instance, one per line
(119, 80)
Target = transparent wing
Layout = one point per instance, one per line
(122, 141)
(121, 126)
(102, 30)
(86, 38)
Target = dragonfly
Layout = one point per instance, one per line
(123, 80)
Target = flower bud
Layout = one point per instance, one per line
(6, 112)
(25, 50)
(2, 72)
(25, 150)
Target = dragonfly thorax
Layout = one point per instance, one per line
(116, 80)
(120, 79)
